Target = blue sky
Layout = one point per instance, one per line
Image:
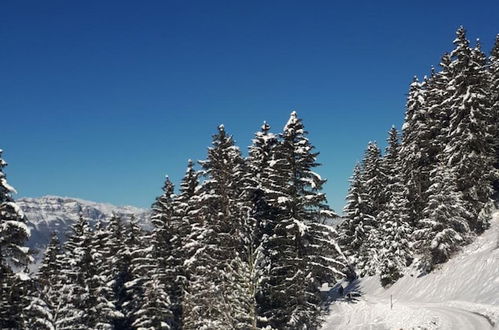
(101, 99)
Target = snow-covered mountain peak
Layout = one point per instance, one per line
(49, 214)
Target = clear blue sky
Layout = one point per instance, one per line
(101, 99)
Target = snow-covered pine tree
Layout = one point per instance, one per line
(77, 302)
(390, 164)
(155, 310)
(374, 182)
(257, 182)
(444, 227)
(395, 251)
(219, 232)
(261, 215)
(184, 244)
(163, 237)
(438, 112)
(357, 223)
(414, 150)
(114, 264)
(152, 280)
(470, 151)
(46, 303)
(49, 271)
(299, 262)
(100, 281)
(494, 90)
(374, 178)
(139, 254)
(13, 235)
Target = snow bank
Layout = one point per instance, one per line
(461, 294)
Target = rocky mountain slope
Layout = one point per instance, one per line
(56, 214)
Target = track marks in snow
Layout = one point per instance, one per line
(374, 313)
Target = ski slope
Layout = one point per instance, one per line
(461, 294)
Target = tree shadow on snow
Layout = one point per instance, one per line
(350, 293)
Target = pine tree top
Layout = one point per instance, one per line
(265, 127)
(494, 53)
(461, 37)
(292, 121)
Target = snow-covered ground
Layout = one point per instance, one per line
(461, 294)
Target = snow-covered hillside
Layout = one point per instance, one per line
(461, 294)
(52, 213)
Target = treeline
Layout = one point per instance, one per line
(431, 193)
(241, 245)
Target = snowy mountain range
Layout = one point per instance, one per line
(49, 214)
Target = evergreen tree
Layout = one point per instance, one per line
(444, 227)
(163, 239)
(262, 217)
(374, 178)
(470, 151)
(13, 235)
(374, 183)
(155, 310)
(100, 281)
(46, 303)
(77, 261)
(299, 264)
(358, 221)
(416, 139)
(395, 252)
(220, 236)
(184, 248)
(139, 254)
(118, 259)
(494, 90)
(438, 112)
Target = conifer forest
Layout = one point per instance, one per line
(247, 242)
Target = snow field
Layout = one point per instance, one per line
(461, 294)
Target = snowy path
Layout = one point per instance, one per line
(374, 313)
(461, 294)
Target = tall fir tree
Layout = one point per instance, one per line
(163, 237)
(416, 140)
(76, 261)
(357, 223)
(46, 303)
(118, 250)
(210, 303)
(100, 281)
(13, 234)
(494, 89)
(140, 254)
(374, 178)
(262, 216)
(444, 227)
(155, 310)
(184, 248)
(374, 182)
(299, 261)
(395, 250)
(470, 150)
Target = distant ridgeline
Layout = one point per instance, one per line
(54, 214)
(246, 242)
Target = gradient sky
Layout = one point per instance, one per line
(100, 99)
